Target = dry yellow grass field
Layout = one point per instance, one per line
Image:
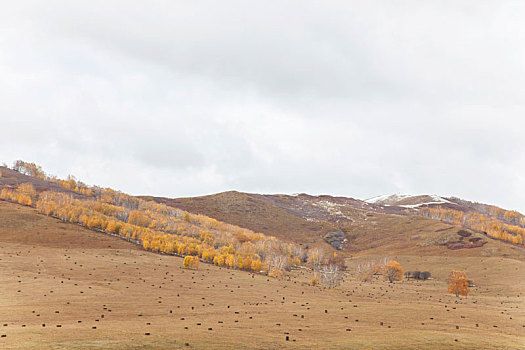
(65, 287)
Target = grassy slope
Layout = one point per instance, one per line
(49, 266)
(276, 215)
(389, 235)
(11, 178)
(368, 232)
(253, 212)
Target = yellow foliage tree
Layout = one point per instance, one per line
(458, 283)
(191, 262)
(392, 271)
(257, 265)
(229, 260)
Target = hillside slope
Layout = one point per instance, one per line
(351, 225)
(11, 179)
(425, 224)
(66, 287)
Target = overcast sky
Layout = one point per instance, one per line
(352, 98)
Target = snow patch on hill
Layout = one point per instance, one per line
(415, 201)
(332, 208)
(387, 198)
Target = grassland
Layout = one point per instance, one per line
(256, 213)
(58, 274)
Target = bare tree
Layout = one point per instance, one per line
(315, 258)
(330, 275)
(365, 271)
(276, 264)
(18, 166)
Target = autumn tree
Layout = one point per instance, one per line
(29, 169)
(191, 262)
(392, 271)
(257, 265)
(315, 258)
(458, 283)
(364, 271)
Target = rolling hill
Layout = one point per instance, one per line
(387, 223)
(67, 287)
(71, 279)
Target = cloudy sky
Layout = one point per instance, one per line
(353, 98)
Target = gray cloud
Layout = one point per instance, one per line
(353, 98)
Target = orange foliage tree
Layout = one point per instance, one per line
(392, 271)
(458, 283)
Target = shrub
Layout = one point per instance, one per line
(425, 275)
